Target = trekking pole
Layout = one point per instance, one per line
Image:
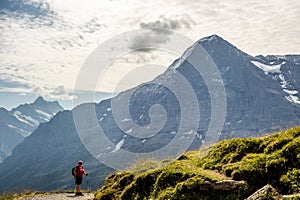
(87, 184)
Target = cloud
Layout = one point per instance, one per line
(60, 90)
(54, 93)
(47, 51)
(148, 40)
(256, 27)
(169, 23)
(158, 32)
(22, 94)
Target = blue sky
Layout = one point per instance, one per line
(45, 43)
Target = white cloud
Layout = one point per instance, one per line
(45, 53)
(150, 39)
(54, 93)
(22, 94)
(60, 90)
(163, 22)
(160, 31)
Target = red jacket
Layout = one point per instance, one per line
(79, 171)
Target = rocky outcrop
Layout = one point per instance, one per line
(265, 193)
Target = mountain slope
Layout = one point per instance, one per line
(40, 110)
(21, 121)
(152, 120)
(285, 69)
(8, 139)
(255, 101)
(49, 154)
(231, 169)
(26, 118)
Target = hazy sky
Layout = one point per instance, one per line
(43, 47)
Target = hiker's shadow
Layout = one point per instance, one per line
(72, 196)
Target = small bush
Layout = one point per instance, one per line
(290, 182)
(141, 187)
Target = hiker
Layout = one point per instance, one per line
(78, 174)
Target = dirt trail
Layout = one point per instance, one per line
(60, 196)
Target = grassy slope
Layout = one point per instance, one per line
(251, 162)
(17, 195)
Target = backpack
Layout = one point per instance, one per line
(73, 171)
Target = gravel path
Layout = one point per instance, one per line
(60, 196)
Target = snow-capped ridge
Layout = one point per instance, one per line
(20, 122)
(40, 102)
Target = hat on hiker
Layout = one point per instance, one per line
(80, 161)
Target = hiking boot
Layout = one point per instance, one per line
(78, 194)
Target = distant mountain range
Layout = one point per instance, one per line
(262, 96)
(20, 122)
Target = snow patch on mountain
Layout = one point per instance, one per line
(19, 130)
(119, 145)
(25, 119)
(292, 94)
(293, 99)
(11, 126)
(46, 117)
(31, 120)
(125, 120)
(283, 82)
(129, 131)
(268, 68)
(144, 140)
(276, 69)
(190, 132)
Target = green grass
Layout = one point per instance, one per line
(250, 162)
(259, 161)
(23, 194)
